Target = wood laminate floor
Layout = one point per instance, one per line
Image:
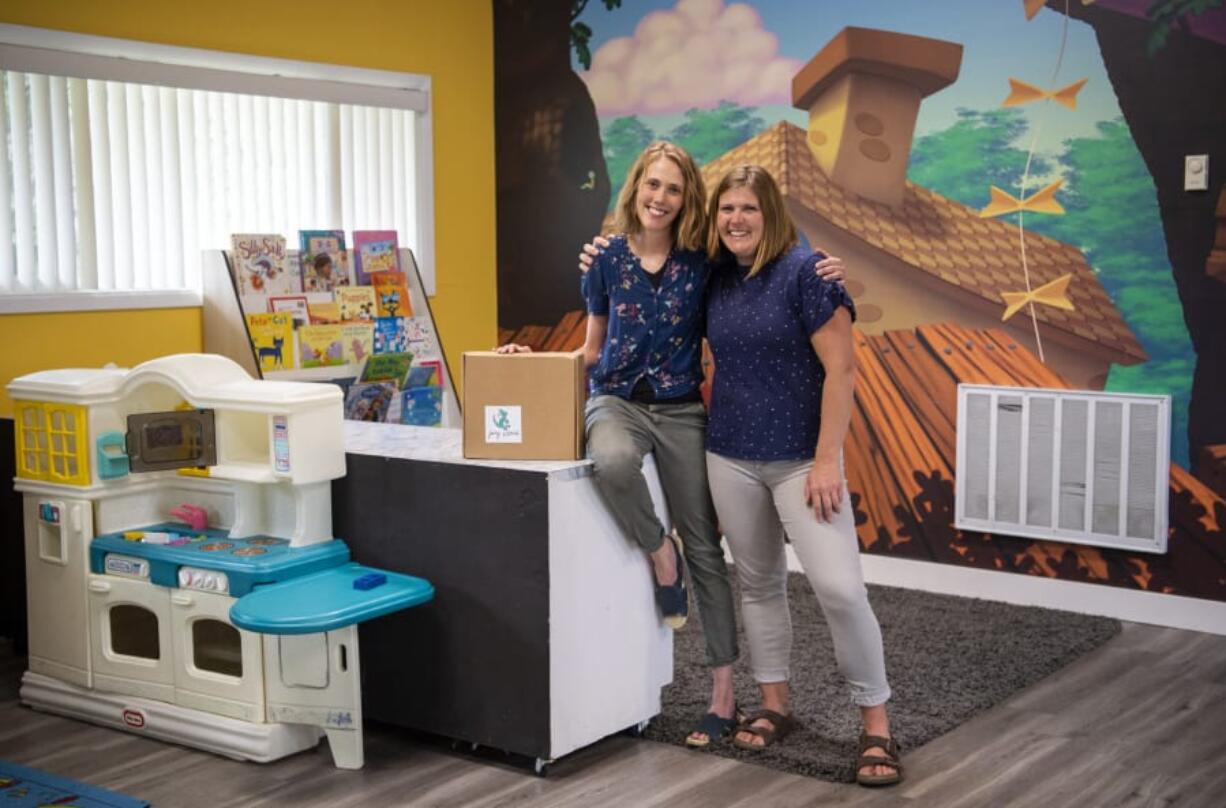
(1139, 722)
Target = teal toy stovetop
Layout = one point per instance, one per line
(278, 589)
(172, 554)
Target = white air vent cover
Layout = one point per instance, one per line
(1064, 465)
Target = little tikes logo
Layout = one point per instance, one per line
(134, 719)
(504, 424)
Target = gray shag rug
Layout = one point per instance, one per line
(947, 659)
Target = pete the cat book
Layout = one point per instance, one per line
(272, 339)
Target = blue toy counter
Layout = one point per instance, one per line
(328, 600)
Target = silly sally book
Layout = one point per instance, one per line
(260, 266)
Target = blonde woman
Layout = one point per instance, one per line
(643, 349)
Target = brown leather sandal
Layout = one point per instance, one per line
(889, 759)
(781, 726)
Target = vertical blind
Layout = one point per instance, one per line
(115, 185)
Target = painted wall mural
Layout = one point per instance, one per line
(1004, 180)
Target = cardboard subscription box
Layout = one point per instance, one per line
(523, 406)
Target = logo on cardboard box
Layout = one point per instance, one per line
(504, 424)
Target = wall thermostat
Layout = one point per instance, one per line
(1196, 172)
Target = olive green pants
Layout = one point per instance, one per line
(619, 434)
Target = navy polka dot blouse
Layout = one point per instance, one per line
(767, 395)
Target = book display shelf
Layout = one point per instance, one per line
(228, 331)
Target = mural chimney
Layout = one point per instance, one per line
(863, 92)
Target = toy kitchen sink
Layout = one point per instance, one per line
(182, 578)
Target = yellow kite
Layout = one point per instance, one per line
(1032, 6)
(1054, 293)
(1022, 93)
(1043, 201)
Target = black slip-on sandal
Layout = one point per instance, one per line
(715, 727)
(672, 599)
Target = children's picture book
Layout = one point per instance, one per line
(391, 294)
(390, 336)
(390, 367)
(272, 339)
(358, 340)
(294, 305)
(422, 406)
(374, 251)
(324, 312)
(325, 262)
(419, 337)
(355, 303)
(321, 345)
(423, 374)
(260, 266)
(369, 401)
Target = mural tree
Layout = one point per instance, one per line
(1171, 100)
(553, 188)
(1171, 14)
(581, 33)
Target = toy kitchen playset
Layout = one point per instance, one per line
(183, 580)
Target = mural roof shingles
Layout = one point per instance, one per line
(941, 237)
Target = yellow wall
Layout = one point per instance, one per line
(453, 42)
(92, 339)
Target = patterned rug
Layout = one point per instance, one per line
(29, 788)
(947, 659)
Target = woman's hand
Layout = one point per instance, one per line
(590, 250)
(512, 348)
(824, 489)
(831, 269)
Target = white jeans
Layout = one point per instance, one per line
(758, 501)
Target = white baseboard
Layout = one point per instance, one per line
(1154, 608)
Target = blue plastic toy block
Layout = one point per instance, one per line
(369, 581)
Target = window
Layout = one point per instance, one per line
(51, 442)
(118, 172)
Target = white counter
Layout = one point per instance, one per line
(543, 636)
(443, 446)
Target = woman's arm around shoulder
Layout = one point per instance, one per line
(830, 267)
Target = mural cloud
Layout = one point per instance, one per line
(697, 54)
